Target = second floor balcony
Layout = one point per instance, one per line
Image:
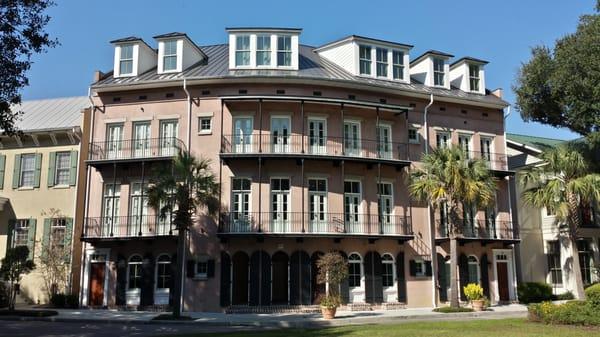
(485, 230)
(127, 227)
(135, 149)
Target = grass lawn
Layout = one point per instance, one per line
(486, 328)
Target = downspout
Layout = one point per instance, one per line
(429, 223)
(516, 252)
(189, 150)
(86, 201)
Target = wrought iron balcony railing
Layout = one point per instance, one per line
(129, 226)
(496, 161)
(479, 229)
(315, 223)
(136, 149)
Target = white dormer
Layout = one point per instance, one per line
(264, 48)
(368, 57)
(176, 52)
(468, 75)
(132, 57)
(432, 69)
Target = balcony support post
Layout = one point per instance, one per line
(407, 146)
(303, 131)
(220, 218)
(303, 187)
(344, 195)
(379, 205)
(343, 134)
(259, 194)
(260, 122)
(221, 126)
(142, 200)
(112, 201)
(377, 135)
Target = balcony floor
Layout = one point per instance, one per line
(282, 156)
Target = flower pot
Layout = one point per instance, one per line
(478, 305)
(328, 313)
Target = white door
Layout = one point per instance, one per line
(317, 199)
(280, 134)
(280, 198)
(141, 140)
(386, 206)
(168, 138)
(242, 135)
(390, 290)
(352, 206)
(384, 142)
(355, 279)
(486, 150)
(114, 140)
(240, 217)
(317, 136)
(464, 141)
(443, 140)
(138, 211)
(163, 280)
(110, 215)
(352, 138)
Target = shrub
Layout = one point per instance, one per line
(563, 297)
(572, 312)
(3, 295)
(592, 293)
(331, 301)
(71, 301)
(534, 292)
(58, 300)
(473, 291)
(449, 310)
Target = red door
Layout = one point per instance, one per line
(502, 270)
(97, 284)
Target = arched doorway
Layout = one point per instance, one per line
(300, 278)
(260, 278)
(280, 280)
(239, 271)
(318, 290)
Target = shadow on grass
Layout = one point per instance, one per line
(28, 313)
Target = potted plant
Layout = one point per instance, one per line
(332, 271)
(474, 293)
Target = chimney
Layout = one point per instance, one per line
(98, 75)
(497, 92)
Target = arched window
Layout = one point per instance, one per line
(387, 275)
(473, 266)
(354, 274)
(163, 272)
(134, 272)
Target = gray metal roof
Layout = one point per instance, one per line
(51, 114)
(310, 66)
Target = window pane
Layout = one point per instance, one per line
(365, 60)
(27, 170)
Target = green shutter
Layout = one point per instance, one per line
(17, 171)
(38, 169)
(46, 235)
(2, 166)
(73, 174)
(51, 169)
(68, 238)
(9, 234)
(31, 237)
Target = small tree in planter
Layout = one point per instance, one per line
(332, 271)
(15, 264)
(474, 293)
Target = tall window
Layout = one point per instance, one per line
(317, 194)
(398, 64)
(163, 272)
(21, 233)
(63, 168)
(474, 77)
(126, 60)
(585, 261)
(386, 206)
(134, 272)
(382, 62)
(365, 60)
(554, 268)
(387, 275)
(242, 50)
(58, 229)
(240, 194)
(263, 50)
(442, 139)
(464, 141)
(438, 72)
(473, 267)
(27, 173)
(354, 275)
(284, 51)
(170, 55)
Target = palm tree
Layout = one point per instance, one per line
(448, 178)
(182, 189)
(562, 183)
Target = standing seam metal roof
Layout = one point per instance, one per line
(53, 113)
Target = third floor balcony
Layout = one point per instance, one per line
(135, 149)
(484, 230)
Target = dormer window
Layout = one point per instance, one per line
(126, 60)
(438, 72)
(382, 62)
(398, 64)
(284, 51)
(474, 77)
(263, 50)
(242, 50)
(365, 60)
(170, 56)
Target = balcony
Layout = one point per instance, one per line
(274, 146)
(497, 162)
(299, 224)
(135, 150)
(127, 227)
(483, 230)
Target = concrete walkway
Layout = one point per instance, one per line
(280, 320)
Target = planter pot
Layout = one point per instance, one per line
(328, 313)
(478, 305)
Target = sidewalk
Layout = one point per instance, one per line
(279, 320)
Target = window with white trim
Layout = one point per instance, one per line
(387, 275)
(397, 65)
(364, 60)
(242, 50)
(420, 267)
(163, 272)
(21, 233)
(473, 269)
(284, 51)
(134, 272)
(354, 274)
(381, 62)
(27, 174)
(442, 139)
(474, 77)
(170, 55)
(205, 124)
(413, 135)
(58, 228)
(554, 266)
(126, 60)
(464, 141)
(62, 175)
(438, 72)
(201, 269)
(263, 50)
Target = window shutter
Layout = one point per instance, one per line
(172, 278)
(51, 169)
(441, 261)
(210, 270)
(46, 236)
(428, 269)
(16, 171)
(369, 271)
(225, 290)
(68, 238)
(9, 234)
(463, 274)
(147, 289)
(485, 279)
(73, 174)
(412, 268)
(189, 268)
(121, 280)
(2, 166)
(38, 169)
(401, 277)
(31, 237)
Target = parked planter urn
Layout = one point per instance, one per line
(478, 305)
(328, 313)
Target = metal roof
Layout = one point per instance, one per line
(310, 67)
(538, 143)
(127, 39)
(369, 39)
(51, 114)
(468, 59)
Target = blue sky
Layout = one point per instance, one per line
(501, 32)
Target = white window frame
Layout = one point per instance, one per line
(470, 262)
(448, 142)
(58, 225)
(362, 59)
(129, 264)
(170, 55)
(239, 51)
(469, 143)
(399, 66)
(21, 226)
(392, 262)
(361, 269)
(382, 60)
(22, 170)
(476, 78)
(437, 72)
(318, 225)
(416, 140)
(420, 264)
(199, 274)
(200, 125)
(157, 275)
(67, 169)
(286, 52)
(268, 51)
(122, 59)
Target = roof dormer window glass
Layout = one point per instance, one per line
(398, 65)
(474, 77)
(263, 50)
(126, 60)
(284, 51)
(364, 60)
(438, 72)
(170, 56)
(242, 50)
(382, 62)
